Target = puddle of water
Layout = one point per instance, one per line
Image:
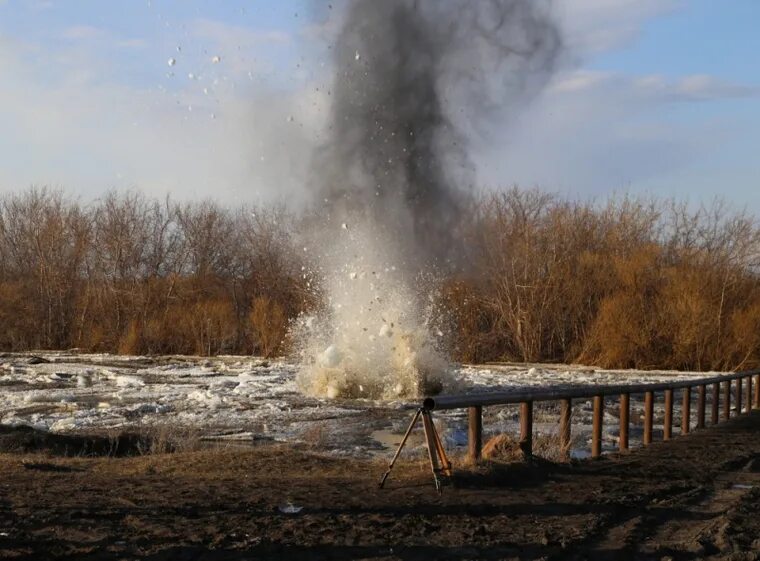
(390, 440)
(237, 440)
(456, 437)
(580, 453)
(741, 486)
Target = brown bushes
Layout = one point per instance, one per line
(629, 283)
(132, 275)
(268, 324)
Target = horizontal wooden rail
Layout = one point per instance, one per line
(526, 396)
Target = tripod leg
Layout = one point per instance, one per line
(445, 463)
(427, 422)
(400, 446)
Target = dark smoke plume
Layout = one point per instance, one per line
(413, 79)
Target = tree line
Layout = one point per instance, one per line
(624, 283)
(129, 274)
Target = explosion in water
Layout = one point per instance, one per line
(411, 77)
(372, 340)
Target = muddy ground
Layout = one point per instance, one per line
(697, 497)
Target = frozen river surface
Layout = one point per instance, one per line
(247, 400)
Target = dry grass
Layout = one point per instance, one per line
(167, 438)
(506, 448)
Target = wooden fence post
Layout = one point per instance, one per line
(667, 429)
(526, 429)
(625, 410)
(475, 434)
(565, 422)
(596, 437)
(715, 405)
(686, 410)
(726, 400)
(701, 400)
(648, 417)
(749, 394)
(738, 396)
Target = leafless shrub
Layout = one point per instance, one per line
(166, 438)
(269, 326)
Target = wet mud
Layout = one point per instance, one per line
(696, 497)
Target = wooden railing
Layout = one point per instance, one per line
(525, 397)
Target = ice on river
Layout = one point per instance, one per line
(247, 399)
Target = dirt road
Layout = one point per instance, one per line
(697, 497)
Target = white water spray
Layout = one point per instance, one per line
(374, 339)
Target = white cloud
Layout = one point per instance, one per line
(592, 132)
(88, 135)
(593, 26)
(704, 87)
(653, 87)
(578, 81)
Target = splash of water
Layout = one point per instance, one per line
(374, 339)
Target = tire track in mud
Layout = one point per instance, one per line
(712, 531)
(701, 517)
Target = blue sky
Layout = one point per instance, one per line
(656, 97)
(719, 40)
(700, 37)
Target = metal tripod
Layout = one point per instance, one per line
(439, 463)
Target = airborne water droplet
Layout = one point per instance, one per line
(171, 62)
(357, 56)
(215, 59)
